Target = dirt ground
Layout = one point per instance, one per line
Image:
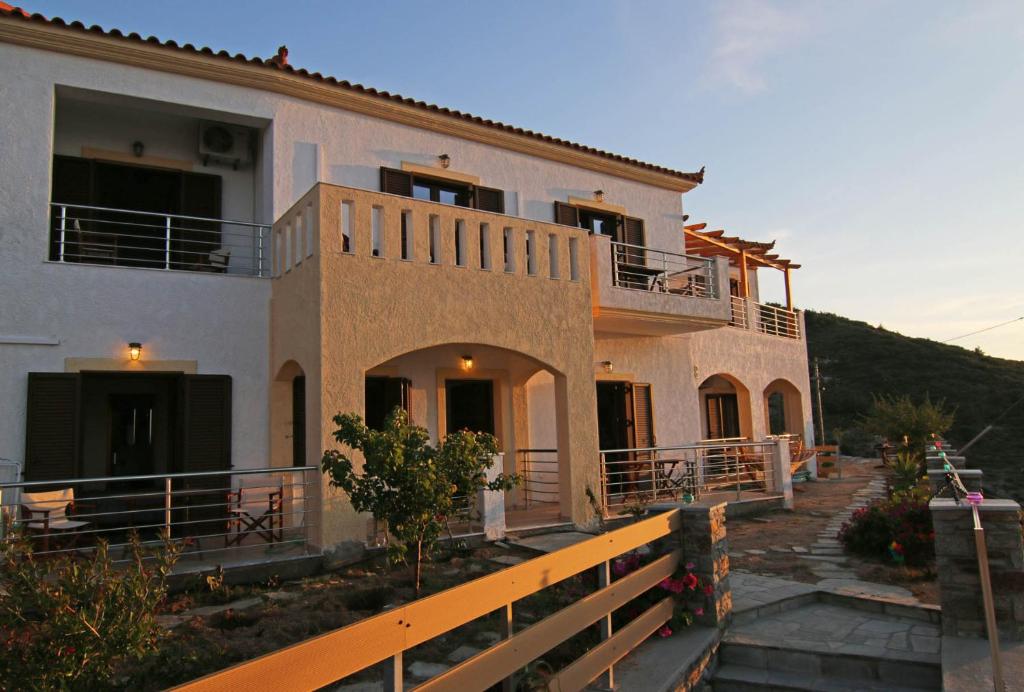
(814, 505)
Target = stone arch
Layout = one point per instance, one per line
(525, 392)
(783, 408)
(725, 407)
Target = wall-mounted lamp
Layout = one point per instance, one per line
(608, 366)
(598, 195)
(445, 160)
(138, 148)
(686, 217)
(135, 350)
(467, 362)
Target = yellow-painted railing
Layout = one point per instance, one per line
(329, 657)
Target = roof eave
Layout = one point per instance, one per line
(95, 44)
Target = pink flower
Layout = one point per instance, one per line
(709, 589)
(665, 631)
(698, 611)
(690, 581)
(690, 566)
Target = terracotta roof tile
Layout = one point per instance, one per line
(16, 12)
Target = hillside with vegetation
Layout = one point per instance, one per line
(859, 361)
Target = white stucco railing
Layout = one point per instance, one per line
(84, 234)
(646, 269)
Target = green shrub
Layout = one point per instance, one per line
(899, 418)
(856, 442)
(898, 530)
(73, 622)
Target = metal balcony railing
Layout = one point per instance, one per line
(131, 238)
(738, 316)
(641, 268)
(777, 321)
(654, 474)
(767, 319)
(539, 471)
(224, 517)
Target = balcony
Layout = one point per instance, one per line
(766, 319)
(646, 292)
(171, 242)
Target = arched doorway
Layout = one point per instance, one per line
(783, 409)
(725, 408)
(518, 399)
(288, 404)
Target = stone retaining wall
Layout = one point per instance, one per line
(957, 565)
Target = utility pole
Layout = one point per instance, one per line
(817, 389)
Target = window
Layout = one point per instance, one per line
(399, 182)
(601, 224)
(383, 396)
(441, 191)
(622, 229)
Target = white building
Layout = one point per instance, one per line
(285, 246)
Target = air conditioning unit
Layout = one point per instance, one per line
(225, 144)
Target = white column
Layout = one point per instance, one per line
(492, 503)
(782, 473)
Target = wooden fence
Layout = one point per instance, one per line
(329, 657)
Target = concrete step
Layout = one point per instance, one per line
(737, 678)
(775, 667)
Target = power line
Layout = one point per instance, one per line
(995, 326)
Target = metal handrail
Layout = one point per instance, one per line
(156, 213)
(672, 265)
(87, 234)
(730, 442)
(159, 476)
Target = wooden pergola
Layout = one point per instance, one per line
(741, 253)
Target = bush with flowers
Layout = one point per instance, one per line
(689, 590)
(78, 622)
(898, 529)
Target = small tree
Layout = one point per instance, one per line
(406, 482)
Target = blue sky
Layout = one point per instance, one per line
(880, 143)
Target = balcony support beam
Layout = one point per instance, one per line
(789, 293)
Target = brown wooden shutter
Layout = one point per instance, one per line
(633, 234)
(714, 416)
(566, 214)
(205, 413)
(490, 199)
(206, 423)
(52, 431)
(299, 420)
(396, 182)
(643, 415)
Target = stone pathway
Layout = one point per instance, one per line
(827, 559)
(835, 629)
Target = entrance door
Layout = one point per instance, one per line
(131, 434)
(469, 405)
(614, 419)
(723, 415)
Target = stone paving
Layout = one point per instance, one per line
(840, 630)
(826, 558)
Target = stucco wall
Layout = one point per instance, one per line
(374, 309)
(677, 365)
